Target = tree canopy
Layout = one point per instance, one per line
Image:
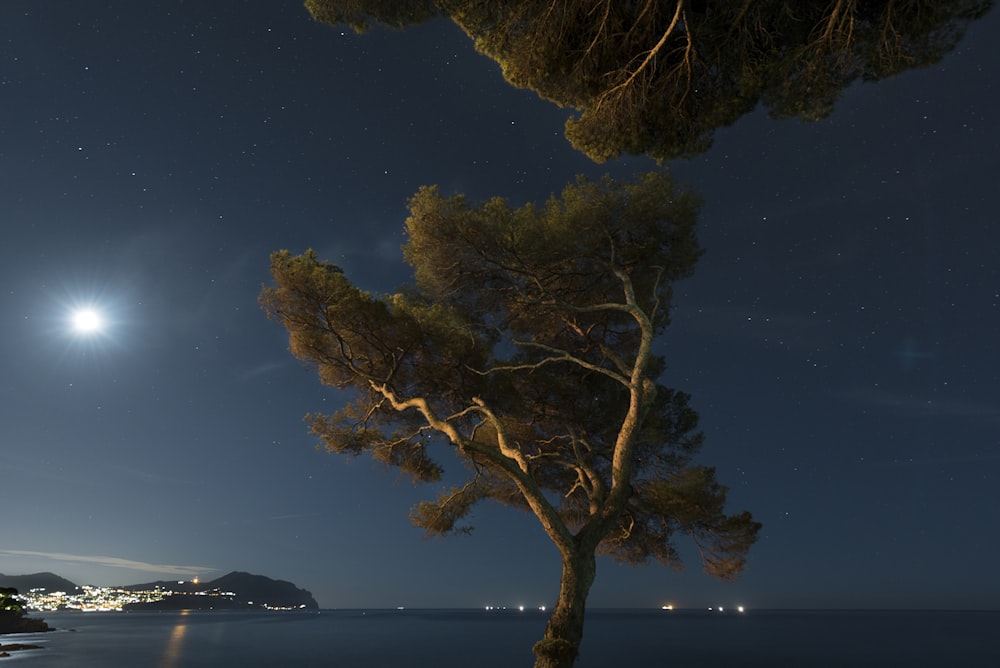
(9, 604)
(526, 347)
(657, 77)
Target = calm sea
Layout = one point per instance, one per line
(503, 639)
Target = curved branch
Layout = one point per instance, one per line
(506, 457)
(649, 55)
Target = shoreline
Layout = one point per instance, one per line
(5, 650)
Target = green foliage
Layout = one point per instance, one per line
(530, 264)
(11, 607)
(442, 515)
(692, 501)
(360, 14)
(526, 346)
(657, 77)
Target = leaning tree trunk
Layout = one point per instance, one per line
(564, 632)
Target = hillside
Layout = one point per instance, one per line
(46, 581)
(246, 589)
(236, 590)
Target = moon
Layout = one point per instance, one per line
(87, 321)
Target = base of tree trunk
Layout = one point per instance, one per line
(555, 653)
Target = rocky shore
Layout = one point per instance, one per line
(13, 624)
(12, 620)
(5, 650)
(22, 625)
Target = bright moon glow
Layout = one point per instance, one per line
(87, 321)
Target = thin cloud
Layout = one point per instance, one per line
(261, 370)
(112, 562)
(293, 516)
(909, 406)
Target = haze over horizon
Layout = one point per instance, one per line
(838, 338)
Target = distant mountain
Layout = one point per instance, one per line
(47, 581)
(235, 590)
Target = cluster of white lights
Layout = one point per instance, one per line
(106, 599)
(520, 608)
(740, 609)
(89, 599)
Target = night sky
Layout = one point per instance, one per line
(839, 337)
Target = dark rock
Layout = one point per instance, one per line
(15, 647)
(11, 624)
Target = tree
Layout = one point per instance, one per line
(10, 605)
(12, 619)
(657, 77)
(526, 347)
(11, 611)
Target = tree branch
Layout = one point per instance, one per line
(508, 458)
(649, 56)
(558, 356)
